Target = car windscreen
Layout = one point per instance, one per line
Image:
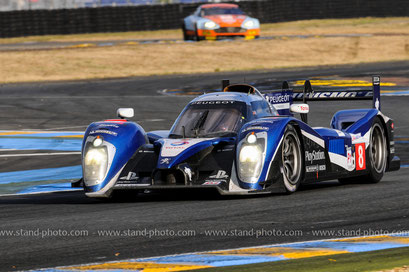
(221, 11)
(210, 119)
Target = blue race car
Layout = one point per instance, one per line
(240, 141)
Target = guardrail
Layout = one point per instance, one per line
(155, 17)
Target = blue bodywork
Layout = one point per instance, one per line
(140, 160)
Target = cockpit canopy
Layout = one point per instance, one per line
(210, 119)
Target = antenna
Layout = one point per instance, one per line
(285, 85)
(225, 83)
(307, 90)
(376, 83)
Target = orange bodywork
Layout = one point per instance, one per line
(230, 25)
(212, 34)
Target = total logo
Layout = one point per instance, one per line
(179, 143)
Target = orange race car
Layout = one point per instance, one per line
(213, 21)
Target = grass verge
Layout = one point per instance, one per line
(354, 262)
(368, 25)
(207, 57)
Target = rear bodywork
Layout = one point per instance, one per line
(214, 21)
(128, 158)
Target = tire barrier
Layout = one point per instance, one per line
(170, 16)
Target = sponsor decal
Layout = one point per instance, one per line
(377, 104)
(228, 19)
(315, 168)
(340, 133)
(188, 172)
(179, 143)
(314, 156)
(350, 160)
(110, 125)
(255, 128)
(165, 161)
(172, 148)
(213, 182)
(335, 94)
(221, 174)
(376, 80)
(225, 150)
(132, 176)
(213, 102)
(104, 132)
(312, 168)
(355, 137)
(360, 156)
(277, 98)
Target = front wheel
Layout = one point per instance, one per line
(292, 160)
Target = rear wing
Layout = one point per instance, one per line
(284, 98)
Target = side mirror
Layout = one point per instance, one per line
(300, 108)
(125, 112)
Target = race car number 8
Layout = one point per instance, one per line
(360, 156)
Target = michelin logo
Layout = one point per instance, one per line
(335, 94)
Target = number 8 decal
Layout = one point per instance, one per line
(360, 156)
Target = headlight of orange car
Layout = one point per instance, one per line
(210, 25)
(250, 23)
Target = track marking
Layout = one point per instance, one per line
(251, 255)
(57, 174)
(39, 154)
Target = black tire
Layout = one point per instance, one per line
(377, 156)
(292, 160)
(196, 37)
(185, 36)
(378, 153)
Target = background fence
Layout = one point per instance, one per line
(169, 16)
(9, 5)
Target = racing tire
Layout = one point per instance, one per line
(185, 36)
(378, 153)
(292, 160)
(196, 37)
(377, 156)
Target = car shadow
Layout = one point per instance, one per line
(79, 198)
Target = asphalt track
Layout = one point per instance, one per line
(350, 210)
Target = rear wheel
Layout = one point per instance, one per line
(378, 153)
(291, 160)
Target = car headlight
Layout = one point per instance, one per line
(210, 25)
(249, 24)
(250, 162)
(97, 141)
(95, 164)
